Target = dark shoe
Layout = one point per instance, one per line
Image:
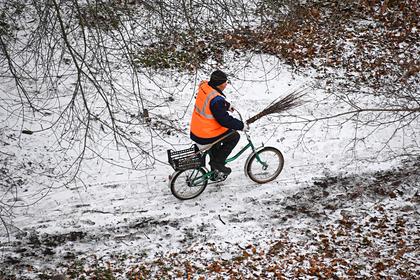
(218, 176)
(213, 176)
(220, 167)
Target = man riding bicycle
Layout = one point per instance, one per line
(211, 121)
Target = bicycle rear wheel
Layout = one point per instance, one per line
(264, 165)
(189, 183)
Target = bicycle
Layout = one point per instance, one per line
(191, 176)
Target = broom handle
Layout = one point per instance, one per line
(208, 147)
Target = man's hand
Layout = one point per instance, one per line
(231, 109)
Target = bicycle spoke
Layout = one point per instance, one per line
(188, 183)
(265, 165)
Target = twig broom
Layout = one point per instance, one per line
(292, 100)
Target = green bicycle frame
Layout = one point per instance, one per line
(198, 180)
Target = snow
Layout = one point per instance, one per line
(125, 211)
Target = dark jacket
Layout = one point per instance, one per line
(219, 108)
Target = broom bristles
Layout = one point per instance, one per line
(288, 102)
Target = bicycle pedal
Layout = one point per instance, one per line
(223, 176)
(219, 176)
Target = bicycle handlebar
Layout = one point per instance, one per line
(240, 116)
(242, 120)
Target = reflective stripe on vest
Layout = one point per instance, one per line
(202, 111)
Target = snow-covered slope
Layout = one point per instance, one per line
(129, 217)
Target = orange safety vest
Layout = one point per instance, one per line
(203, 123)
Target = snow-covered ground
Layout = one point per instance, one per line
(121, 212)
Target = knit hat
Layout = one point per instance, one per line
(217, 78)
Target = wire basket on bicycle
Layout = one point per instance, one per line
(186, 159)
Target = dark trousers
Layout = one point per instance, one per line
(220, 151)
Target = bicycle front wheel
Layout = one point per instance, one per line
(189, 183)
(264, 165)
